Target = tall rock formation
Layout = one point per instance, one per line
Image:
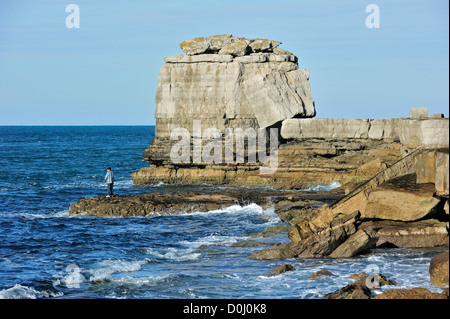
(225, 79)
(226, 82)
(229, 82)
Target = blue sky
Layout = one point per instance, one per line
(105, 72)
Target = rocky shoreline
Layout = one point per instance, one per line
(178, 203)
(394, 172)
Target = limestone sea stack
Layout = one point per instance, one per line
(221, 82)
(230, 83)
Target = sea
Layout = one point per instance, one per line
(47, 254)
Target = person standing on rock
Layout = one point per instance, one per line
(109, 178)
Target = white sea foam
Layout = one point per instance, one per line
(58, 214)
(108, 267)
(172, 253)
(24, 292)
(157, 184)
(250, 209)
(212, 240)
(323, 188)
(144, 281)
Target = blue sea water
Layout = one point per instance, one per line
(45, 253)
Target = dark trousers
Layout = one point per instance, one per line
(110, 189)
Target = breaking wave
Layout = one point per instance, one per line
(24, 292)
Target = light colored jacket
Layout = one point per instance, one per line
(109, 178)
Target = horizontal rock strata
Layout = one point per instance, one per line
(162, 204)
(301, 164)
(411, 133)
(312, 151)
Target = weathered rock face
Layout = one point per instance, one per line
(220, 88)
(423, 233)
(439, 270)
(225, 82)
(340, 128)
(410, 132)
(401, 199)
(228, 44)
(358, 243)
(432, 166)
(427, 133)
(228, 81)
(301, 164)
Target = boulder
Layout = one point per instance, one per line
(235, 49)
(320, 273)
(281, 51)
(281, 269)
(382, 280)
(323, 241)
(197, 45)
(228, 43)
(282, 251)
(418, 113)
(359, 243)
(384, 129)
(355, 290)
(263, 45)
(217, 42)
(439, 270)
(401, 199)
(418, 234)
(359, 289)
(426, 133)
